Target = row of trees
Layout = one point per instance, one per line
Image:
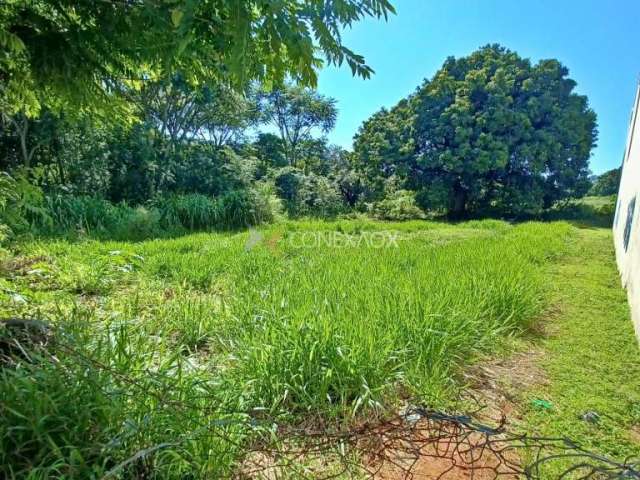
(178, 137)
(606, 183)
(133, 101)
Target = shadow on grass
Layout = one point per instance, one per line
(582, 215)
(123, 235)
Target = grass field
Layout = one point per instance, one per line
(176, 347)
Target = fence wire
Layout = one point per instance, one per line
(422, 443)
(418, 443)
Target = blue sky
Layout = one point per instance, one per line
(599, 41)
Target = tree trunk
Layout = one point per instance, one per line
(23, 130)
(458, 204)
(292, 154)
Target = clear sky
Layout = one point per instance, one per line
(599, 41)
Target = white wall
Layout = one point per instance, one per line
(629, 258)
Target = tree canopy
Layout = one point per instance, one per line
(489, 132)
(79, 48)
(296, 112)
(384, 145)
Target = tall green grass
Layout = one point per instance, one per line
(178, 343)
(193, 211)
(91, 405)
(166, 215)
(340, 327)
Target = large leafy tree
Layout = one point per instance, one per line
(182, 111)
(269, 150)
(296, 112)
(494, 132)
(172, 107)
(80, 47)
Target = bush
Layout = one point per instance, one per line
(236, 209)
(598, 211)
(399, 205)
(267, 190)
(607, 183)
(319, 198)
(61, 213)
(140, 223)
(308, 195)
(212, 171)
(21, 204)
(243, 208)
(7, 197)
(84, 213)
(193, 211)
(287, 182)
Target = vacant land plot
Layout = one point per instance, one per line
(168, 354)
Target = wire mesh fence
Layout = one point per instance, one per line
(422, 443)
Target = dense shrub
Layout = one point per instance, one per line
(607, 183)
(84, 213)
(193, 211)
(267, 190)
(399, 205)
(236, 209)
(308, 195)
(319, 197)
(287, 182)
(598, 211)
(141, 223)
(243, 208)
(21, 204)
(7, 199)
(212, 171)
(92, 215)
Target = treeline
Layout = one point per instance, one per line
(121, 109)
(607, 183)
(184, 155)
(490, 134)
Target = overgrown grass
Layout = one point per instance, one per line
(177, 343)
(73, 216)
(592, 358)
(587, 211)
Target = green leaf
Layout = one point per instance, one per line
(176, 17)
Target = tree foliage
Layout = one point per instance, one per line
(78, 49)
(607, 183)
(490, 132)
(296, 112)
(384, 146)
